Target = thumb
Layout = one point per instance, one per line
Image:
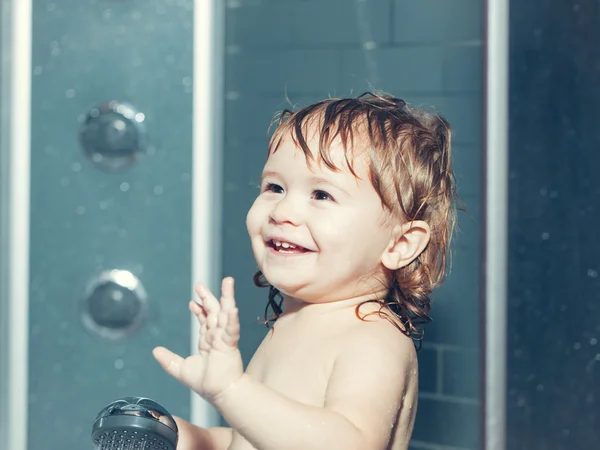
(169, 361)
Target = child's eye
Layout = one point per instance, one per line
(321, 195)
(272, 187)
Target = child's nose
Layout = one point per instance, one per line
(285, 211)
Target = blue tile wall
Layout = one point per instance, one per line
(428, 52)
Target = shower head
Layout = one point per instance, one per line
(134, 423)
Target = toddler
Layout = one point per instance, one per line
(350, 232)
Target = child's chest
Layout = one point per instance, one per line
(297, 366)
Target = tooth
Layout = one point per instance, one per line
(285, 245)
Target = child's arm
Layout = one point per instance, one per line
(192, 437)
(372, 380)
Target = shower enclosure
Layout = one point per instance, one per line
(110, 158)
(132, 137)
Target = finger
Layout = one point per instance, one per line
(198, 311)
(209, 302)
(212, 321)
(222, 322)
(227, 294)
(231, 335)
(169, 361)
(190, 436)
(203, 344)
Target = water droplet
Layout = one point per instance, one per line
(593, 341)
(119, 364)
(545, 236)
(158, 190)
(54, 48)
(124, 186)
(76, 167)
(592, 273)
(369, 45)
(70, 93)
(80, 210)
(577, 346)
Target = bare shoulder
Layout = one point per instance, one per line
(377, 338)
(374, 381)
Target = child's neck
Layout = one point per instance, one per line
(294, 306)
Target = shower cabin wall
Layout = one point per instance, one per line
(553, 375)
(88, 218)
(428, 52)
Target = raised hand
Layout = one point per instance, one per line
(218, 363)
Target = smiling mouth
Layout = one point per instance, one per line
(286, 247)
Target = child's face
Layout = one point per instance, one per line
(334, 221)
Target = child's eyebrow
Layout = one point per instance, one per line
(321, 180)
(314, 179)
(269, 173)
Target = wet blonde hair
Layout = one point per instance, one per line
(410, 168)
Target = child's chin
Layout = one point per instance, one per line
(285, 286)
(286, 289)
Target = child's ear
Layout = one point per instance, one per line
(407, 243)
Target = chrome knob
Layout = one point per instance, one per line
(114, 305)
(112, 135)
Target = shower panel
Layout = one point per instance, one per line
(110, 218)
(122, 162)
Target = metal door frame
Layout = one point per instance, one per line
(495, 231)
(15, 124)
(207, 166)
